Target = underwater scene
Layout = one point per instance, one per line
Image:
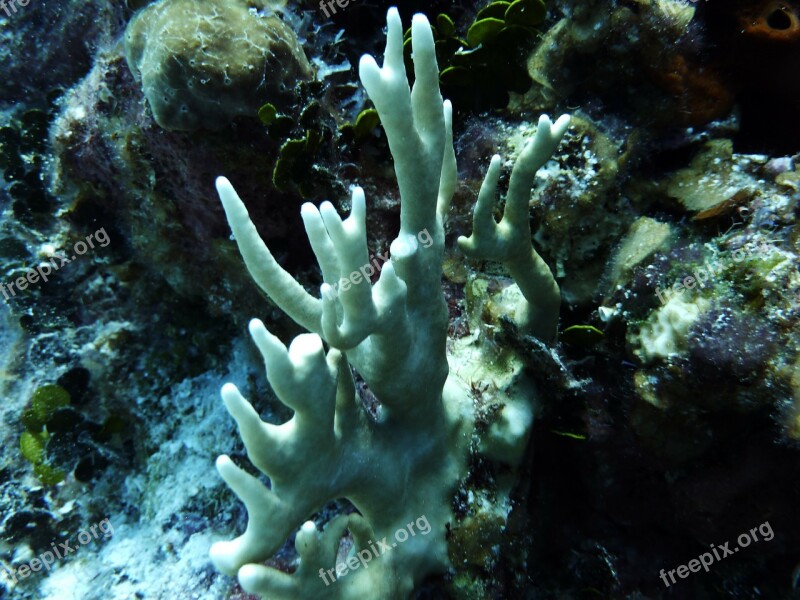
(403, 299)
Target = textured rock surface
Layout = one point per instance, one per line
(202, 63)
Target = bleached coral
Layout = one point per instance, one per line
(509, 241)
(401, 467)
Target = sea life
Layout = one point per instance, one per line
(412, 453)
(440, 341)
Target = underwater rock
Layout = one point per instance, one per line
(645, 237)
(790, 179)
(113, 165)
(724, 344)
(640, 58)
(201, 63)
(33, 65)
(714, 177)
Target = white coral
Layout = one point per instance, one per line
(509, 241)
(404, 464)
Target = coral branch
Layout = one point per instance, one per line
(509, 241)
(279, 285)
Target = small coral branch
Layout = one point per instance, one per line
(509, 241)
(414, 123)
(279, 285)
(305, 381)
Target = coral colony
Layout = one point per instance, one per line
(218, 75)
(407, 461)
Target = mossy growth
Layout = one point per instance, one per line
(267, 114)
(295, 161)
(311, 141)
(358, 132)
(301, 141)
(45, 402)
(473, 542)
(58, 439)
(750, 273)
(478, 70)
(23, 153)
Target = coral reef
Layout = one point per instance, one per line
(607, 434)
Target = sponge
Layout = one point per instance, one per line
(203, 62)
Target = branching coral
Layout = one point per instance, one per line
(404, 464)
(509, 241)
